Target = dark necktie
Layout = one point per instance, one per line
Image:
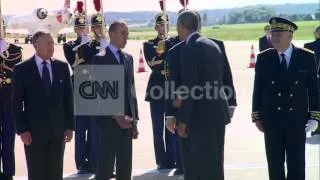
(269, 43)
(283, 62)
(46, 77)
(121, 57)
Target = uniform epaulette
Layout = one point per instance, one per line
(16, 46)
(265, 50)
(70, 42)
(315, 115)
(308, 50)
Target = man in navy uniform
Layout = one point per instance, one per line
(74, 53)
(154, 52)
(315, 47)
(265, 41)
(285, 102)
(10, 55)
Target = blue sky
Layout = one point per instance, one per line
(25, 6)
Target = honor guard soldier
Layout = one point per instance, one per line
(89, 50)
(99, 42)
(315, 47)
(10, 55)
(154, 52)
(74, 54)
(285, 101)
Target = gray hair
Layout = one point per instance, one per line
(189, 20)
(36, 36)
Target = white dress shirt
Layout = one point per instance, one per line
(40, 66)
(287, 53)
(114, 50)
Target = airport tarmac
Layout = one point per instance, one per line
(244, 145)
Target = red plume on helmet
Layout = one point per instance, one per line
(80, 7)
(97, 5)
(161, 4)
(182, 2)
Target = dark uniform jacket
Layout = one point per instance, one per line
(90, 50)
(157, 64)
(6, 73)
(291, 96)
(78, 57)
(315, 47)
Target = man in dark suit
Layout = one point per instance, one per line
(42, 102)
(173, 60)
(265, 41)
(204, 115)
(285, 103)
(315, 47)
(115, 132)
(10, 55)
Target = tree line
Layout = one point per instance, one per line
(259, 15)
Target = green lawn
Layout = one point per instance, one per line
(233, 32)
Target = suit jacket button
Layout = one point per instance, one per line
(279, 108)
(279, 94)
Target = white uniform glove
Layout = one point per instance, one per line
(231, 110)
(311, 125)
(3, 45)
(103, 43)
(84, 39)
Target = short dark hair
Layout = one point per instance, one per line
(39, 34)
(115, 24)
(317, 29)
(189, 20)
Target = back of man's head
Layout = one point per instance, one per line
(115, 25)
(189, 20)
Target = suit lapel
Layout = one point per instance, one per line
(113, 58)
(35, 72)
(55, 77)
(293, 61)
(37, 78)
